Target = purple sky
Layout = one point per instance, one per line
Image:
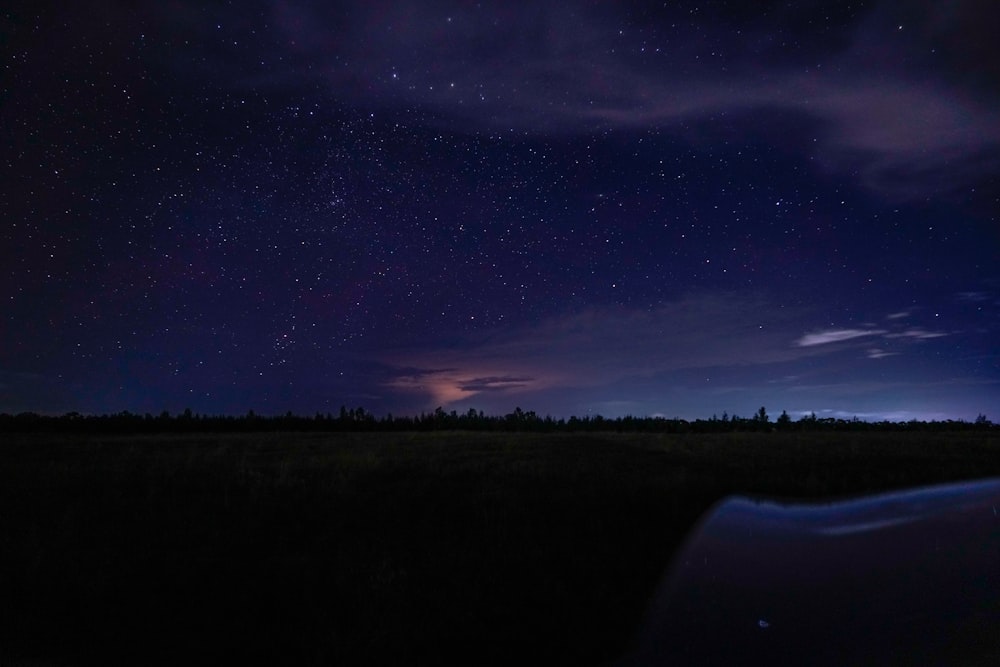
(641, 208)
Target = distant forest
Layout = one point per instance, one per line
(358, 419)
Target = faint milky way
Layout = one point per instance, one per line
(649, 208)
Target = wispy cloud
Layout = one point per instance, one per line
(730, 351)
(567, 67)
(919, 334)
(497, 383)
(450, 385)
(601, 346)
(835, 336)
(829, 336)
(708, 334)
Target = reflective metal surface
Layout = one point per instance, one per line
(902, 578)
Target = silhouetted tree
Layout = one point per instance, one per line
(761, 416)
(359, 419)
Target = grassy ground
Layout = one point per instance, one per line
(434, 548)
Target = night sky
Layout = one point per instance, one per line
(577, 208)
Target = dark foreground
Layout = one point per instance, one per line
(400, 548)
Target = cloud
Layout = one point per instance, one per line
(911, 112)
(450, 385)
(906, 129)
(835, 336)
(702, 353)
(497, 383)
(702, 335)
(600, 346)
(919, 334)
(829, 336)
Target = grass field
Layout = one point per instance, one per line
(392, 548)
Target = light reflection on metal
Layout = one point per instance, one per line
(910, 577)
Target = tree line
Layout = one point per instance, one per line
(360, 420)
